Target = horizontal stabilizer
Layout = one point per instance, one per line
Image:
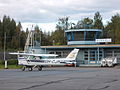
(30, 54)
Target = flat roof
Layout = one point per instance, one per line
(82, 46)
(77, 30)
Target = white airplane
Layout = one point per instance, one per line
(31, 61)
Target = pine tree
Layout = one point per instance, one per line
(98, 24)
(113, 28)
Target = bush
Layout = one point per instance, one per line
(10, 62)
(2, 62)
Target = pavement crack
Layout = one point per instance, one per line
(111, 81)
(47, 83)
(99, 88)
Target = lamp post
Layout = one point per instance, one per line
(4, 51)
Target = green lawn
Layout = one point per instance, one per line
(12, 64)
(11, 67)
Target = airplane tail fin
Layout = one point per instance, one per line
(73, 54)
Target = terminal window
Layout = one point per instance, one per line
(78, 36)
(90, 36)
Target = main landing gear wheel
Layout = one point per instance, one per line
(30, 68)
(39, 68)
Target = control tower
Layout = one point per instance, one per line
(82, 36)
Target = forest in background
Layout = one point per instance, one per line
(16, 37)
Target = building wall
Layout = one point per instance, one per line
(86, 56)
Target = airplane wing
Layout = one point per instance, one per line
(31, 54)
(15, 53)
(43, 55)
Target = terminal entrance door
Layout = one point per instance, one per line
(91, 56)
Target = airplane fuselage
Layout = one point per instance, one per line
(46, 62)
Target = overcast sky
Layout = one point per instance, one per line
(46, 12)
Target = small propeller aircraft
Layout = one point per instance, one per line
(31, 61)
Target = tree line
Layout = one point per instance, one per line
(16, 37)
(110, 30)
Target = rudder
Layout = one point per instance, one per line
(73, 54)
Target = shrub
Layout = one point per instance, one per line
(2, 62)
(10, 62)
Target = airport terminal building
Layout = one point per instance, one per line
(91, 51)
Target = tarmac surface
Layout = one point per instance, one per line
(61, 78)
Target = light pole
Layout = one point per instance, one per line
(4, 50)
